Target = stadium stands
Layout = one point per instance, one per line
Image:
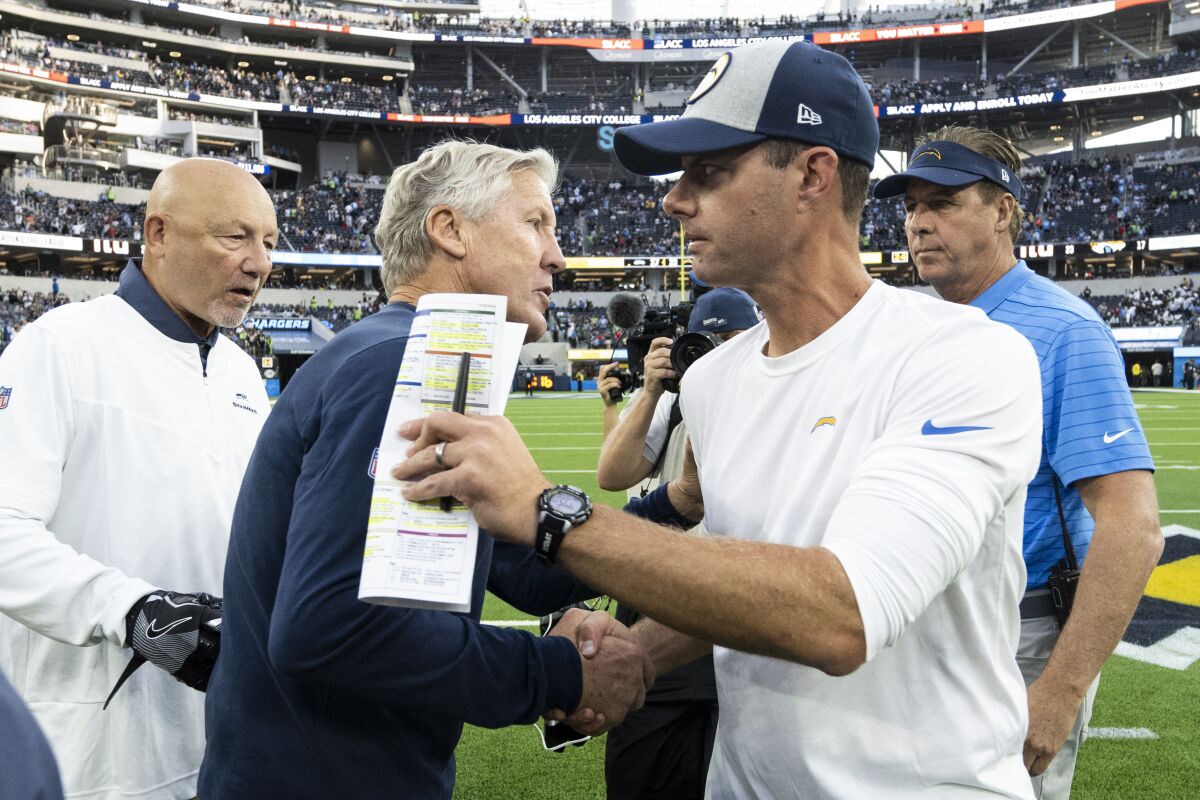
(1141, 307)
(433, 90)
(1096, 199)
(467, 19)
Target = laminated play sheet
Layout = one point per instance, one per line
(417, 554)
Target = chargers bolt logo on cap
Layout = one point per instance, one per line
(710, 80)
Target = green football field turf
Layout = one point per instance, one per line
(564, 433)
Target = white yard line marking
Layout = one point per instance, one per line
(580, 472)
(514, 623)
(1121, 733)
(560, 433)
(540, 449)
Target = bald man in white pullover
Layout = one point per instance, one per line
(128, 427)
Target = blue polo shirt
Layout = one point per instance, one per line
(1089, 424)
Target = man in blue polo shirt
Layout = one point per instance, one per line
(962, 197)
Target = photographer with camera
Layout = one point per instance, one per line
(663, 750)
(647, 443)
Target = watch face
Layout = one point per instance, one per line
(565, 503)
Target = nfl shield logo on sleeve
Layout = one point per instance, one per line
(5, 393)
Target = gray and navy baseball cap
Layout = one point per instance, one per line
(772, 89)
(950, 164)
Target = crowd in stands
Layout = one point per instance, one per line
(256, 343)
(452, 19)
(38, 212)
(19, 308)
(584, 325)
(613, 218)
(1099, 199)
(334, 215)
(1140, 307)
(336, 317)
(1091, 199)
(943, 89)
(477, 102)
(286, 86)
(215, 119)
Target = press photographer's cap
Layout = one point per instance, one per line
(770, 89)
(950, 164)
(721, 310)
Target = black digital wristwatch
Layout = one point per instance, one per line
(560, 508)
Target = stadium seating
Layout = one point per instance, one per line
(1144, 307)
(345, 12)
(1096, 199)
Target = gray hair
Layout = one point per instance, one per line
(470, 177)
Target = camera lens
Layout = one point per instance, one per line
(689, 347)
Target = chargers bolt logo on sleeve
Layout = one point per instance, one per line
(823, 421)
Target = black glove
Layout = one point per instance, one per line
(181, 633)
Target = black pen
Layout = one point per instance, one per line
(459, 406)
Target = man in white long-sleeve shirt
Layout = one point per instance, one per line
(128, 425)
(863, 480)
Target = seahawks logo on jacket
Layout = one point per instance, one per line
(240, 400)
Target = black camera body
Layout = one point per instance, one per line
(672, 324)
(628, 380)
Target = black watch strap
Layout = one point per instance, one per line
(554, 524)
(550, 535)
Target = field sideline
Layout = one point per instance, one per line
(1136, 698)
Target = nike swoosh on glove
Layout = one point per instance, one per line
(180, 633)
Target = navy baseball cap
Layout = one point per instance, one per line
(950, 164)
(770, 89)
(722, 310)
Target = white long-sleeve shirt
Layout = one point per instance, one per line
(120, 462)
(901, 440)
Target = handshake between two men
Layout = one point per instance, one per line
(484, 463)
(617, 671)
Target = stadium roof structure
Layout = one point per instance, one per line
(848, 36)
